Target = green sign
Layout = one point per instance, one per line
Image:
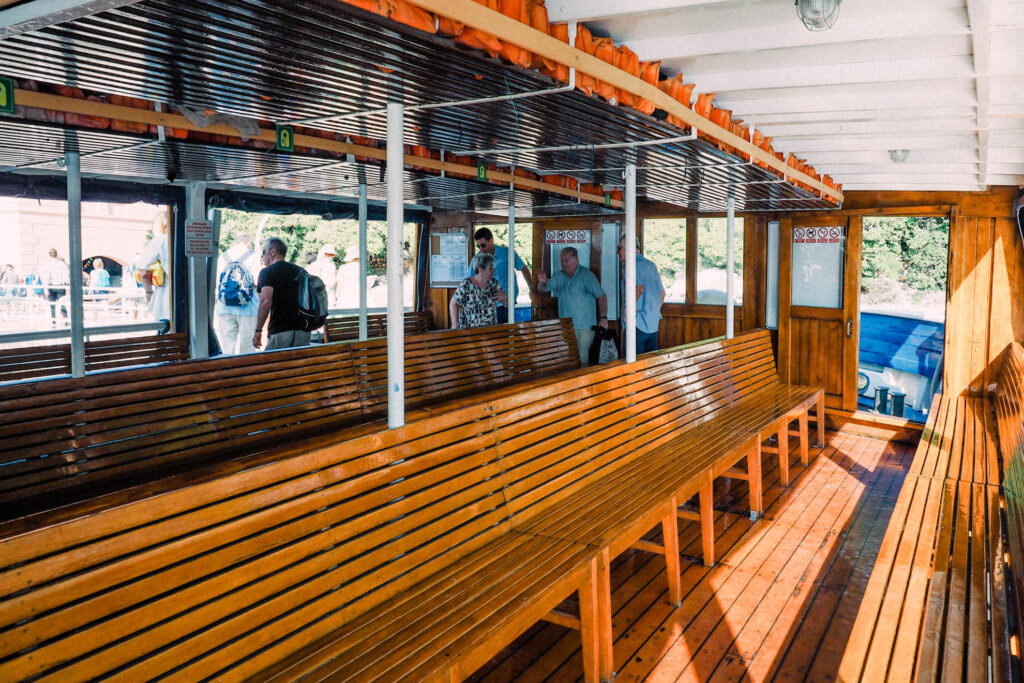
(481, 171)
(607, 199)
(6, 96)
(285, 139)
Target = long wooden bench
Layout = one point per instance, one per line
(346, 327)
(35, 362)
(411, 553)
(67, 439)
(936, 605)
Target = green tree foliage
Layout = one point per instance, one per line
(524, 238)
(712, 245)
(307, 234)
(908, 250)
(665, 245)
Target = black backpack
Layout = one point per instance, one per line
(312, 303)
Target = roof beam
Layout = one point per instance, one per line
(977, 15)
(596, 10)
(37, 14)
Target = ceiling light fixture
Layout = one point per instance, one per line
(818, 15)
(898, 156)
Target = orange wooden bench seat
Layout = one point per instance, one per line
(33, 362)
(236, 576)
(346, 327)
(936, 605)
(398, 554)
(68, 439)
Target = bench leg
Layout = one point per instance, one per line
(754, 479)
(784, 453)
(596, 621)
(670, 536)
(820, 412)
(707, 523)
(804, 458)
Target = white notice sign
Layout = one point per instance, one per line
(199, 239)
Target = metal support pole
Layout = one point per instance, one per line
(198, 282)
(74, 162)
(363, 333)
(511, 256)
(630, 270)
(396, 218)
(730, 231)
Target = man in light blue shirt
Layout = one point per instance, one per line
(485, 243)
(650, 295)
(577, 289)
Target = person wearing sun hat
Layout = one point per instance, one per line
(325, 269)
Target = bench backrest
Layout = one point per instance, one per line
(346, 327)
(48, 361)
(1008, 400)
(562, 435)
(298, 546)
(65, 439)
(454, 363)
(223, 573)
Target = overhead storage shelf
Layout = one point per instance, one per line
(293, 61)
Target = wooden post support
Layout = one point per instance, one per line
(670, 539)
(596, 621)
(707, 521)
(783, 434)
(804, 458)
(756, 485)
(820, 412)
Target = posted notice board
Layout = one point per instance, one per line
(449, 256)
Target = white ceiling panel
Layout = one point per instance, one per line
(943, 79)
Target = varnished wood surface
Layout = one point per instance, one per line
(49, 361)
(779, 605)
(393, 552)
(346, 327)
(69, 439)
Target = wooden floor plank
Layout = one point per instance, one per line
(758, 615)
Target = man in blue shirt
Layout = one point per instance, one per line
(650, 295)
(577, 290)
(485, 243)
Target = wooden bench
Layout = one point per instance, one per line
(1008, 402)
(411, 553)
(49, 361)
(346, 327)
(936, 605)
(67, 439)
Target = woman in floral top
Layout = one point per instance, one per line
(475, 302)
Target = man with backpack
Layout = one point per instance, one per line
(237, 303)
(294, 300)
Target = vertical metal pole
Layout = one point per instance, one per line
(74, 162)
(198, 282)
(630, 269)
(362, 263)
(730, 231)
(396, 218)
(511, 256)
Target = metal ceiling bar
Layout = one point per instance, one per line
(453, 103)
(562, 148)
(278, 174)
(37, 14)
(85, 155)
(717, 184)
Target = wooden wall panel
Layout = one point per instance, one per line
(985, 301)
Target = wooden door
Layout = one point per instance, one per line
(818, 320)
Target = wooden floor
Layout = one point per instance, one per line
(780, 603)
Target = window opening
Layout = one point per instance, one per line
(711, 254)
(902, 314)
(665, 244)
